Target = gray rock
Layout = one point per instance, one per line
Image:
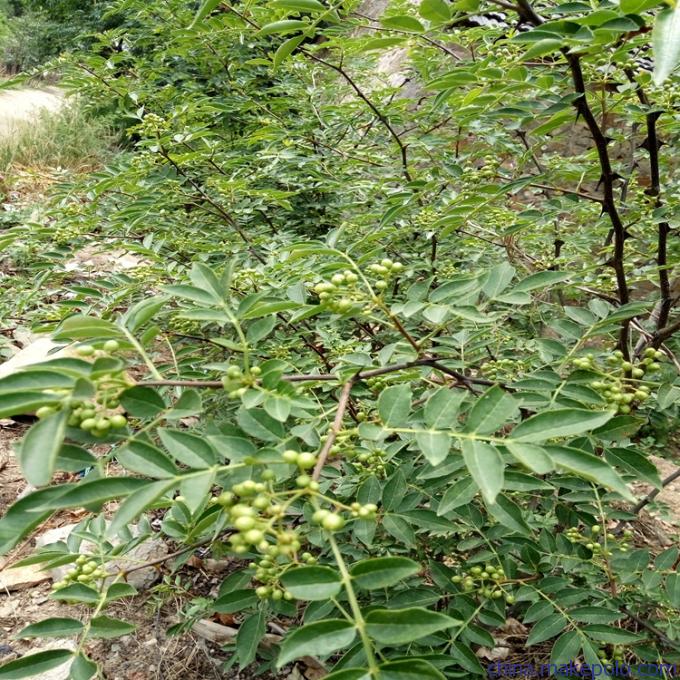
(152, 549)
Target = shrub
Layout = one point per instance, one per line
(416, 426)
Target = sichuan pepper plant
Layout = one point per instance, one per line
(390, 351)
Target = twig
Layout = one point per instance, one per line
(379, 114)
(650, 628)
(431, 361)
(335, 428)
(160, 560)
(655, 492)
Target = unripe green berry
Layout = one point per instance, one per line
(88, 424)
(45, 411)
(333, 522)
(118, 420)
(290, 456)
(253, 536)
(306, 460)
(244, 523)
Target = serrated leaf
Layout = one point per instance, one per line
(76, 592)
(316, 639)
(461, 493)
(394, 405)
(566, 648)
(540, 280)
(235, 601)
(312, 583)
(441, 409)
(278, 407)
(403, 23)
(509, 514)
(135, 504)
(409, 669)
(21, 403)
(249, 635)
(434, 10)
(546, 628)
(491, 411)
(300, 5)
(611, 635)
(96, 491)
(434, 445)
(142, 402)
(260, 425)
(107, 627)
(53, 627)
(283, 26)
(401, 626)
(34, 664)
(595, 615)
(383, 572)
(204, 10)
(40, 448)
(188, 448)
(140, 457)
(80, 327)
(531, 456)
(666, 43)
(486, 467)
(589, 467)
(564, 422)
(82, 668)
(400, 529)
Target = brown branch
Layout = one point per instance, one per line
(433, 362)
(654, 190)
(335, 428)
(152, 563)
(570, 192)
(609, 202)
(655, 492)
(224, 214)
(663, 334)
(528, 13)
(379, 114)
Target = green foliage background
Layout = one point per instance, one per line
(426, 329)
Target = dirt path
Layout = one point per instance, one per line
(21, 105)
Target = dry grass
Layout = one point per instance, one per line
(68, 139)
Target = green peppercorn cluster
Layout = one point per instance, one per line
(617, 653)
(367, 462)
(620, 382)
(153, 125)
(340, 294)
(385, 271)
(502, 369)
(425, 218)
(236, 382)
(86, 570)
(597, 542)
(183, 326)
(253, 515)
(97, 417)
(486, 581)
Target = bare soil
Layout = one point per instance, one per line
(20, 105)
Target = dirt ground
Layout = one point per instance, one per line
(19, 105)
